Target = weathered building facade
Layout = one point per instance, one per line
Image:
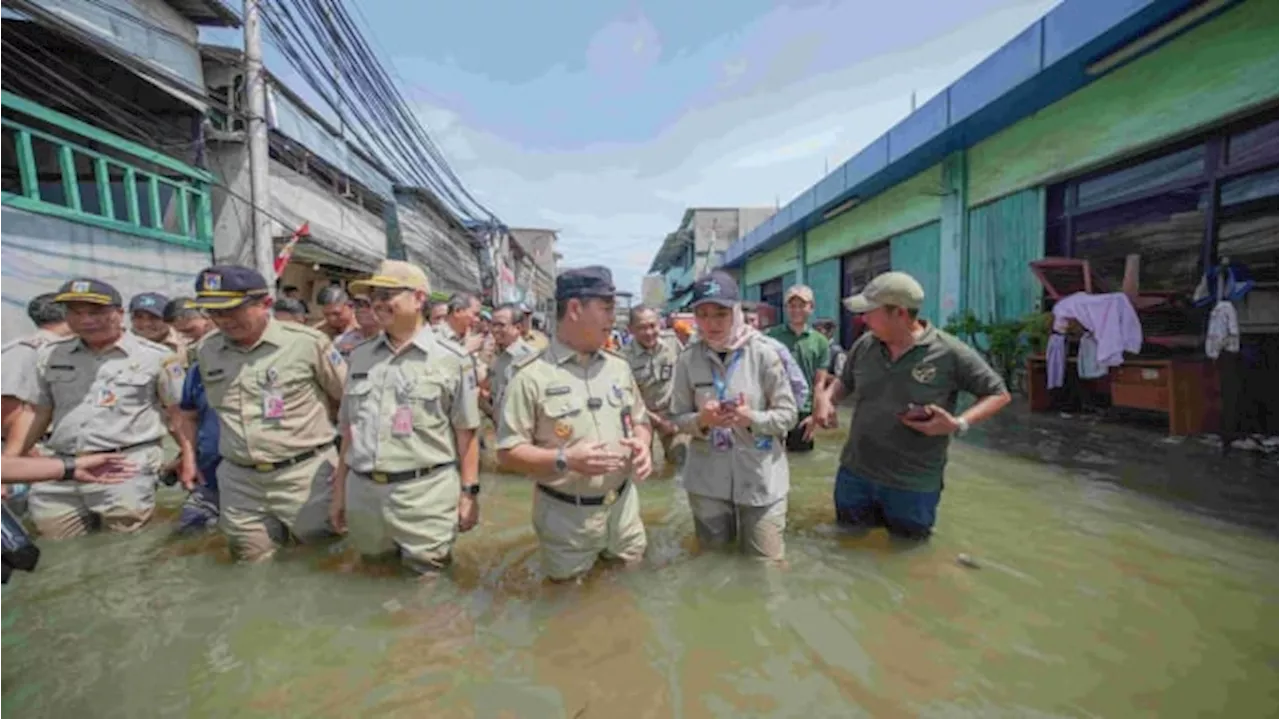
(697, 246)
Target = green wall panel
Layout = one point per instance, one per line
(753, 293)
(766, 266)
(1004, 237)
(824, 279)
(909, 204)
(917, 253)
(1221, 68)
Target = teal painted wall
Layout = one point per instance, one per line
(778, 261)
(917, 252)
(954, 232)
(1219, 69)
(824, 279)
(752, 293)
(1004, 237)
(909, 204)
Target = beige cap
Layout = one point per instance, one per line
(804, 292)
(394, 274)
(898, 289)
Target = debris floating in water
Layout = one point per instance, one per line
(965, 560)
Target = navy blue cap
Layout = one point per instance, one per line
(150, 302)
(225, 287)
(89, 290)
(718, 287)
(176, 306)
(584, 283)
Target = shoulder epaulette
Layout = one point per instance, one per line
(305, 330)
(154, 345)
(527, 359)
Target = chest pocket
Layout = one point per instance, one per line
(929, 381)
(66, 386)
(562, 420)
(643, 372)
(430, 400)
(134, 386)
(620, 396)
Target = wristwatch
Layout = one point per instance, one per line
(962, 426)
(68, 468)
(562, 462)
(472, 489)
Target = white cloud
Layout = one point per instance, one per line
(614, 204)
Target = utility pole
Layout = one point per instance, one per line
(335, 51)
(255, 80)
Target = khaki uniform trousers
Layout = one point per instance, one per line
(757, 530)
(572, 537)
(259, 511)
(418, 519)
(61, 510)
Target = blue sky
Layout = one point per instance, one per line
(606, 120)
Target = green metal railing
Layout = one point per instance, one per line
(172, 191)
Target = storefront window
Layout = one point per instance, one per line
(857, 269)
(771, 296)
(1247, 230)
(1166, 231)
(1140, 179)
(1255, 144)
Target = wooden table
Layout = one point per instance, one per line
(1185, 389)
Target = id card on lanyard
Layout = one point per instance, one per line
(722, 437)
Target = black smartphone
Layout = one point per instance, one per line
(916, 412)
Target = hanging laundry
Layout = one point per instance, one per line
(1222, 283)
(1110, 318)
(1087, 359)
(1224, 330)
(1055, 361)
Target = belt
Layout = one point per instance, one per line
(118, 450)
(603, 500)
(405, 476)
(273, 466)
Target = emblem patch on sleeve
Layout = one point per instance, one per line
(334, 357)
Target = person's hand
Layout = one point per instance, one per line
(594, 460)
(710, 415)
(104, 468)
(808, 425)
(739, 415)
(189, 474)
(473, 343)
(939, 424)
(468, 512)
(338, 513)
(641, 459)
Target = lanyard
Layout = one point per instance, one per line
(722, 381)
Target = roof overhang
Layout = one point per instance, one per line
(1073, 45)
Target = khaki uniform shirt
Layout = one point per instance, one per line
(106, 400)
(654, 370)
(503, 367)
(18, 365)
(560, 398)
(176, 342)
(432, 379)
(349, 340)
(754, 470)
(536, 340)
(294, 361)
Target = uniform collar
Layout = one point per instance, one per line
(807, 329)
(561, 352)
(514, 348)
(126, 344)
(425, 339)
(273, 335)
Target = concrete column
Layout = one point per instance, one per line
(802, 259)
(232, 213)
(954, 229)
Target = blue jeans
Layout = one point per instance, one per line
(864, 504)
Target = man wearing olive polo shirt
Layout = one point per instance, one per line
(904, 375)
(811, 350)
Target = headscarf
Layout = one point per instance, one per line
(739, 334)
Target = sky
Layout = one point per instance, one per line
(607, 119)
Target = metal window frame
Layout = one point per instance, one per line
(191, 187)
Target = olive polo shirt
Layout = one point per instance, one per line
(882, 449)
(811, 350)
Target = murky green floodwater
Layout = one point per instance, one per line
(1090, 601)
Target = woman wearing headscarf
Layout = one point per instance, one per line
(732, 395)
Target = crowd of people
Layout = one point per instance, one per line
(370, 422)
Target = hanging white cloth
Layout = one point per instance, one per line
(1224, 330)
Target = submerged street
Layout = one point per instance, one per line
(1088, 599)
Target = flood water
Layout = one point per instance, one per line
(1089, 600)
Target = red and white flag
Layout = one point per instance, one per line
(286, 252)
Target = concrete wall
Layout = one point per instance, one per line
(910, 204)
(780, 260)
(40, 253)
(149, 30)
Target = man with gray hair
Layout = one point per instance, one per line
(464, 311)
(652, 357)
(339, 313)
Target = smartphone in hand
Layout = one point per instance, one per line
(916, 413)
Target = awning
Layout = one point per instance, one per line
(309, 252)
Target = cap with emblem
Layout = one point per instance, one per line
(585, 283)
(896, 289)
(718, 287)
(87, 290)
(153, 303)
(804, 292)
(225, 287)
(395, 275)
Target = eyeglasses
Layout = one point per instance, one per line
(386, 294)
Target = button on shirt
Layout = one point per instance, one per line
(298, 363)
(654, 370)
(560, 398)
(754, 471)
(106, 400)
(430, 377)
